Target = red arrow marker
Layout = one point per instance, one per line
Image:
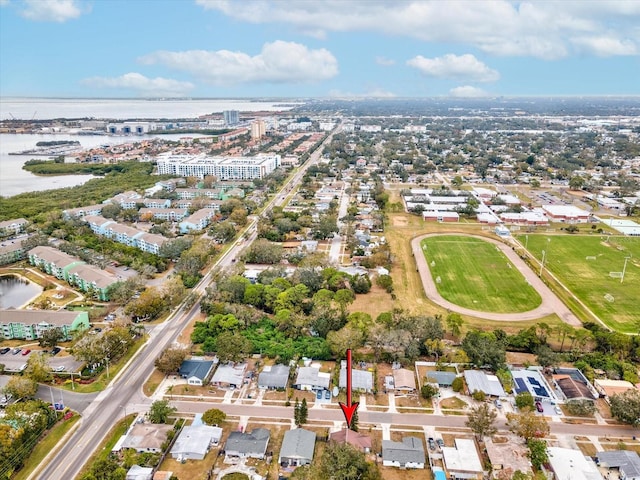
(349, 409)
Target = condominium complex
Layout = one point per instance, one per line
(132, 237)
(74, 271)
(31, 324)
(224, 168)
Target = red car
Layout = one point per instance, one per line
(539, 407)
(26, 352)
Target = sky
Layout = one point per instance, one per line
(318, 48)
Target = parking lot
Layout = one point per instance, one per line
(14, 363)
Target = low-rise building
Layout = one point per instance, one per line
(248, 445)
(147, 437)
(194, 442)
(361, 380)
(569, 464)
(406, 454)
(297, 449)
(196, 372)
(13, 227)
(462, 461)
(358, 440)
(489, 384)
(311, 378)
(274, 377)
(229, 375)
(31, 324)
(625, 462)
(12, 251)
(197, 221)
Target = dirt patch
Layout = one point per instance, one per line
(374, 303)
(453, 403)
(399, 221)
(152, 383)
(519, 358)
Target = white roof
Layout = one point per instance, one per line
(489, 384)
(565, 211)
(463, 457)
(569, 464)
(196, 439)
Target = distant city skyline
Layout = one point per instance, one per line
(320, 48)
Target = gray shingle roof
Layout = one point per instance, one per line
(410, 450)
(626, 460)
(276, 377)
(360, 379)
(298, 443)
(195, 368)
(248, 443)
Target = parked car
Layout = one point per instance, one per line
(61, 368)
(55, 350)
(16, 351)
(432, 443)
(440, 442)
(4, 350)
(26, 352)
(539, 407)
(23, 367)
(558, 410)
(319, 395)
(497, 403)
(327, 395)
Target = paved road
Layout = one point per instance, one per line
(550, 302)
(124, 393)
(399, 419)
(75, 401)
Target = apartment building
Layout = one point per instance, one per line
(224, 168)
(31, 324)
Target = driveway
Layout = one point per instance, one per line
(550, 302)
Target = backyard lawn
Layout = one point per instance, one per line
(475, 274)
(584, 265)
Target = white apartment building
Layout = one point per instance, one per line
(224, 168)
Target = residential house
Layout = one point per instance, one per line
(297, 449)
(136, 472)
(406, 454)
(194, 441)
(404, 380)
(489, 384)
(462, 461)
(573, 384)
(607, 388)
(31, 324)
(311, 378)
(274, 376)
(147, 437)
(361, 380)
(248, 445)
(626, 462)
(229, 375)
(443, 379)
(358, 440)
(197, 372)
(569, 464)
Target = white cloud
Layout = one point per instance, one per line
(467, 91)
(278, 62)
(385, 62)
(501, 27)
(465, 67)
(606, 46)
(51, 10)
(143, 86)
(4, 2)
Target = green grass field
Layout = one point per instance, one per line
(589, 280)
(475, 274)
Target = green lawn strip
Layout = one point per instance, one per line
(615, 303)
(476, 274)
(102, 381)
(48, 443)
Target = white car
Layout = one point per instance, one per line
(61, 368)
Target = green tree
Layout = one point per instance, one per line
(524, 400)
(481, 420)
(478, 395)
(386, 282)
(483, 348)
(581, 408)
(342, 461)
(454, 322)
(625, 407)
(38, 368)
(428, 391)
(232, 346)
(504, 375)
(354, 425)
(20, 387)
(303, 412)
(213, 416)
(458, 384)
(170, 360)
(537, 452)
(160, 411)
(527, 424)
(51, 337)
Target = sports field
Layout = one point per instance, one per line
(584, 263)
(475, 274)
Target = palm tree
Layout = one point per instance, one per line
(454, 322)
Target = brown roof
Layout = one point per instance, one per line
(571, 388)
(356, 439)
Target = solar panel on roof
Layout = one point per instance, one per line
(520, 386)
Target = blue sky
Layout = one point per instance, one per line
(318, 48)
